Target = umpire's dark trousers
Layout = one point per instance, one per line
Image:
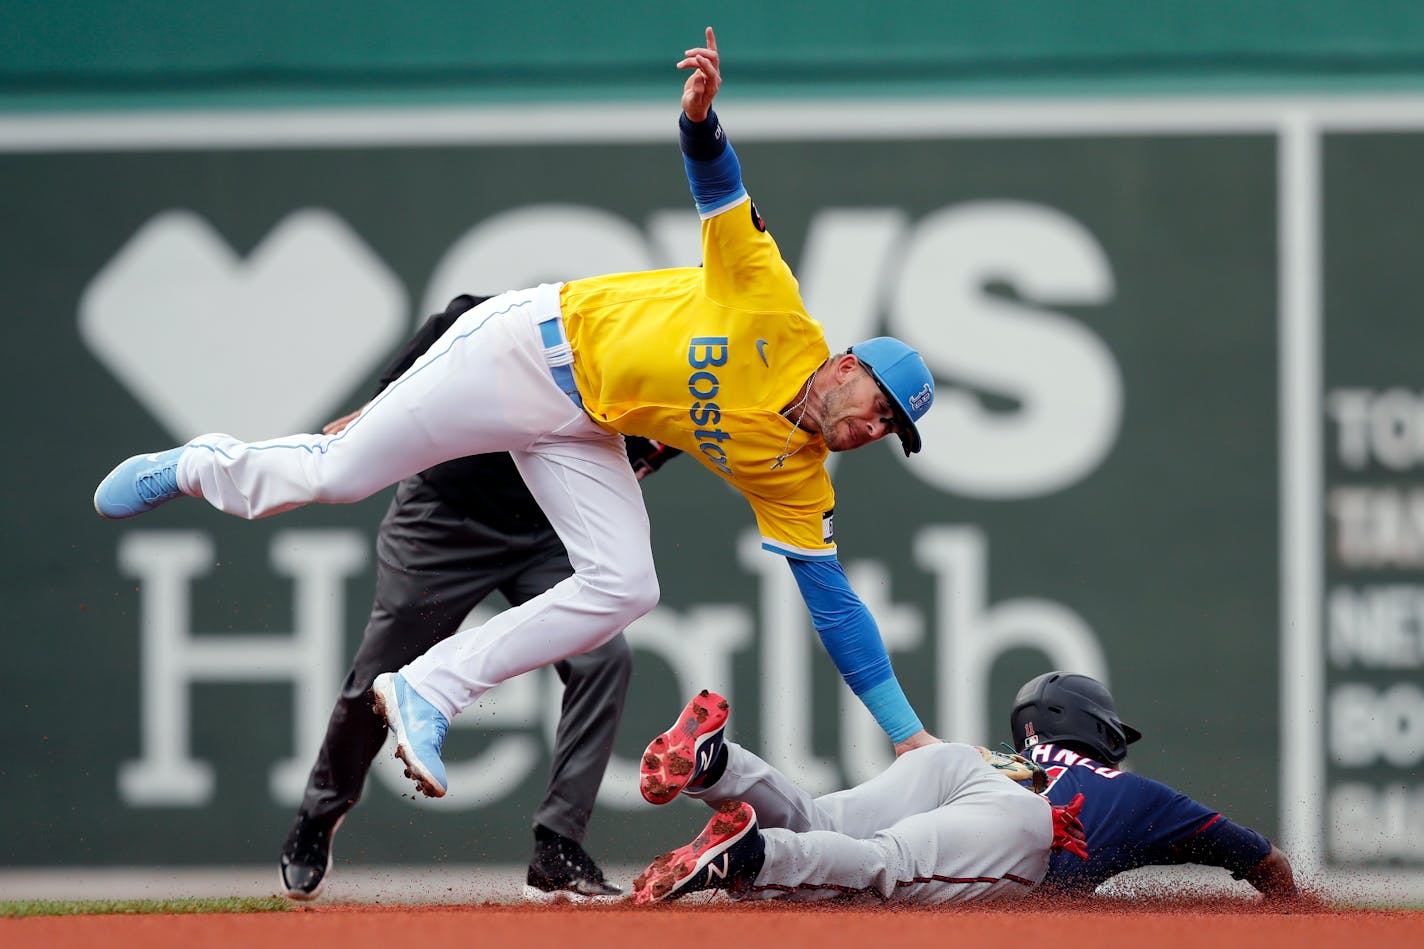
(433, 566)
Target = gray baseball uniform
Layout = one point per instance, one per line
(940, 825)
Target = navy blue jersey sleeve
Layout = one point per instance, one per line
(1132, 822)
(852, 639)
(1164, 822)
(1183, 830)
(1223, 843)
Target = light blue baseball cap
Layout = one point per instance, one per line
(906, 381)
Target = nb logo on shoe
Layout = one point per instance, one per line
(704, 758)
(720, 873)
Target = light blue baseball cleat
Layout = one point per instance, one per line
(139, 485)
(420, 731)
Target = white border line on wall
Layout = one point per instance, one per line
(759, 120)
(1302, 689)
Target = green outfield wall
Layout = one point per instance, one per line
(87, 52)
(1177, 441)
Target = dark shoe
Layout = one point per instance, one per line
(727, 855)
(683, 755)
(562, 870)
(306, 856)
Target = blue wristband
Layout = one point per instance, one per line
(712, 168)
(701, 141)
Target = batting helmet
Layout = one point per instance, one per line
(1063, 706)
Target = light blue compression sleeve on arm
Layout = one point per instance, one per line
(852, 639)
(712, 167)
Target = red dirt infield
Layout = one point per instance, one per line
(1214, 924)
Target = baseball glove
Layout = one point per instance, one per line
(1016, 767)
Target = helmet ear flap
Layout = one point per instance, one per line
(1112, 741)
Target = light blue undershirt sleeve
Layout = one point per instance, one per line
(852, 639)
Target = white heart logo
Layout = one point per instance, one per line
(261, 347)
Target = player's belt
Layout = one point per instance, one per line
(560, 357)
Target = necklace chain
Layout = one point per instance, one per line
(796, 425)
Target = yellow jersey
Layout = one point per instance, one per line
(704, 359)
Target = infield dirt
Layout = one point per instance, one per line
(1214, 924)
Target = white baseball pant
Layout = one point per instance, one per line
(486, 385)
(938, 826)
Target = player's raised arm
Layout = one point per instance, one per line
(701, 87)
(712, 167)
(740, 261)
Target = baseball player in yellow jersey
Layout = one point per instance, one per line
(721, 361)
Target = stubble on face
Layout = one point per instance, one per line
(838, 418)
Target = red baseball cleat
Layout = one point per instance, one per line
(728, 853)
(680, 756)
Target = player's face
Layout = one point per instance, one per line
(855, 413)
